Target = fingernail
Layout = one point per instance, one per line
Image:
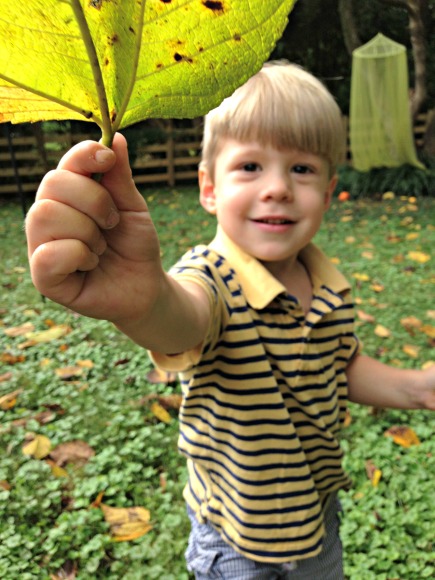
(103, 155)
(112, 219)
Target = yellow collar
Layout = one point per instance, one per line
(260, 287)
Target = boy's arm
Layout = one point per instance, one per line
(371, 382)
(93, 247)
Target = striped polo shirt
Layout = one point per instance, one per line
(264, 400)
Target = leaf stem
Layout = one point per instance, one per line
(132, 82)
(106, 127)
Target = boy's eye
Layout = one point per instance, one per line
(251, 167)
(302, 169)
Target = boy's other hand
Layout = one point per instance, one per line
(92, 245)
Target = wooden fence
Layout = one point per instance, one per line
(24, 159)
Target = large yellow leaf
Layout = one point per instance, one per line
(38, 447)
(127, 523)
(121, 61)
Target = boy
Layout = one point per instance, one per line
(258, 323)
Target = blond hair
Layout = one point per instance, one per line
(283, 106)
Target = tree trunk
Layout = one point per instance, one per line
(348, 25)
(416, 10)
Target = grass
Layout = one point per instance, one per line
(47, 523)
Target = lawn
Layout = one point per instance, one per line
(85, 385)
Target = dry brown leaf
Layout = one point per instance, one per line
(127, 523)
(15, 331)
(56, 470)
(9, 400)
(365, 317)
(53, 333)
(403, 435)
(377, 287)
(361, 277)
(76, 452)
(373, 472)
(5, 485)
(37, 446)
(6, 377)
(428, 330)
(160, 412)
(417, 256)
(69, 372)
(11, 359)
(411, 350)
(382, 332)
(67, 572)
(411, 322)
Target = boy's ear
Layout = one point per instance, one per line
(207, 196)
(330, 190)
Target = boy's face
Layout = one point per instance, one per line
(269, 202)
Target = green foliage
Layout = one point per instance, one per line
(47, 521)
(405, 180)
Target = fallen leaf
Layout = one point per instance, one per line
(420, 257)
(38, 447)
(382, 332)
(70, 372)
(373, 472)
(97, 501)
(428, 330)
(411, 350)
(56, 470)
(411, 322)
(161, 413)
(377, 287)
(365, 317)
(67, 572)
(76, 452)
(361, 277)
(6, 377)
(85, 364)
(388, 196)
(15, 331)
(42, 336)
(127, 523)
(11, 359)
(5, 485)
(403, 435)
(9, 400)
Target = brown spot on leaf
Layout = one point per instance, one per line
(214, 5)
(237, 37)
(131, 29)
(113, 116)
(96, 4)
(113, 39)
(179, 57)
(166, 1)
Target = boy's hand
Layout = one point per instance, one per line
(92, 246)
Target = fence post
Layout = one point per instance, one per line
(171, 154)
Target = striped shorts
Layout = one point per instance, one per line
(211, 558)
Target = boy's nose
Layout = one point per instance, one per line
(277, 188)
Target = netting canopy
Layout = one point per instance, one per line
(380, 120)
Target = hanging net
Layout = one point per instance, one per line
(380, 120)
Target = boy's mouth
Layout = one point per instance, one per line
(274, 221)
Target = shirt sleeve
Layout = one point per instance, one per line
(201, 272)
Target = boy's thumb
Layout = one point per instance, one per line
(119, 179)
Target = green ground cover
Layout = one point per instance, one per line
(48, 525)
